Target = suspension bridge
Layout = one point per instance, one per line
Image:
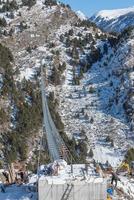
(68, 184)
(56, 145)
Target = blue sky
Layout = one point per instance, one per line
(90, 7)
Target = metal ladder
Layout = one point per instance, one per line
(67, 192)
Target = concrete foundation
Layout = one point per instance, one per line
(92, 189)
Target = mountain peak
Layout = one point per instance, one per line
(81, 15)
(114, 20)
(115, 13)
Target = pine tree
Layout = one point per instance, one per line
(3, 22)
(91, 153)
(29, 3)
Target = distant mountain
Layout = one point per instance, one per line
(114, 20)
(81, 15)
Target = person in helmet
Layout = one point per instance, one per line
(114, 179)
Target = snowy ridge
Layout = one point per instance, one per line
(114, 20)
(81, 15)
(113, 14)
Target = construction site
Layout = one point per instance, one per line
(78, 184)
(63, 178)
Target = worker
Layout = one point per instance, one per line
(22, 175)
(109, 198)
(110, 191)
(6, 175)
(115, 178)
(125, 167)
(2, 187)
(63, 151)
(132, 168)
(56, 169)
(99, 171)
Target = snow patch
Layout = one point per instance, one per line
(104, 154)
(27, 73)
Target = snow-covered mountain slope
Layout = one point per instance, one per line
(26, 34)
(100, 112)
(84, 51)
(114, 20)
(89, 74)
(81, 15)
